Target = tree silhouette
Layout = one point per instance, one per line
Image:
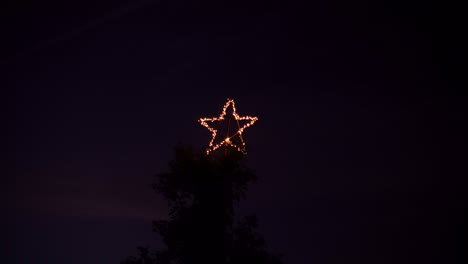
(202, 191)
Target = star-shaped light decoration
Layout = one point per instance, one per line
(227, 140)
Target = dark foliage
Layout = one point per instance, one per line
(202, 192)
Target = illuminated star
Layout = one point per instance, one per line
(227, 141)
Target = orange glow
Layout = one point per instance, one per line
(227, 141)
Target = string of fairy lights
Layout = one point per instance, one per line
(227, 141)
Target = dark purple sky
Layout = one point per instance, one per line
(350, 148)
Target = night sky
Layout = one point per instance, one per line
(353, 146)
